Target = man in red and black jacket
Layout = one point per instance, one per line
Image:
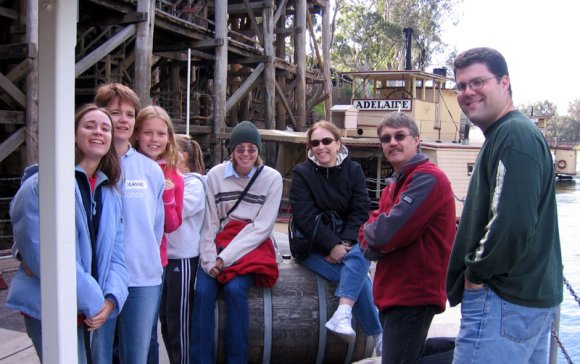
(410, 235)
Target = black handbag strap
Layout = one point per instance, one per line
(245, 191)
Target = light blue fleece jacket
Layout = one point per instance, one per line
(24, 294)
(142, 185)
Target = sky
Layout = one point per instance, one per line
(539, 39)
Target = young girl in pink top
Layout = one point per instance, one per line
(154, 136)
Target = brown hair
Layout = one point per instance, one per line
(109, 163)
(171, 152)
(323, 124)
(111, 91)
(494, 61)
(193, 150)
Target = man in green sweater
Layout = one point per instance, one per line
(506, 264)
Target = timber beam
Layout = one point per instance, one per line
(131, 18)
(183, 46)
(242, 8)
(11, 117)
(287, 31)
(12, 91)
(104, 49)
(120, 6)
(18, 51)
(12, 143)
(250, 60)
(245, 88)
(285, 103)
(8, 13)
(180, 53)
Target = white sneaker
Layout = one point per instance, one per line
(379, 344)
(340, 324)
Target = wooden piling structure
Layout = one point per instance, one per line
(238, 52)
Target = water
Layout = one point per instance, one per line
(568, 197)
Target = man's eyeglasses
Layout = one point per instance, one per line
(474, 84)
(399, 137)
(242, 150)
(316, 142)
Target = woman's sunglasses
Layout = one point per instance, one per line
(325, 141)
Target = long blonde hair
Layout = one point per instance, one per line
(171, 152)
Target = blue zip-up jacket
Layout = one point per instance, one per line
(24, 294)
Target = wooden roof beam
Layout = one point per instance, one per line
(92, 58)
(313, 37)
(279, 11)
(242, 8)
(17, 51)
(245, 88)
(11, 117)
(12, 143)
(254, 22)
(285, 103)
(12, 91)
(8, 13)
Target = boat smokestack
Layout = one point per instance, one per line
(408, 34)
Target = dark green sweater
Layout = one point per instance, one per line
(508, 234)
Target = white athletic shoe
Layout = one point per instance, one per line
(340, 324)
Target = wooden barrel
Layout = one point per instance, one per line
(287, 322)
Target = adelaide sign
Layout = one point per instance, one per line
(383, 105)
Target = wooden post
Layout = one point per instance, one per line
(32, 85)
(326, 57)
(269, 69)
(281, 74)
(176, 105)
(300, 60)
(220, 76)
(234, 83)
(143, 52)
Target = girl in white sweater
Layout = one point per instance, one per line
(183, 255)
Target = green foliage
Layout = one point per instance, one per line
(369, 33)
(559, 129)
(544, 108)
(319, 109)
(364, 39)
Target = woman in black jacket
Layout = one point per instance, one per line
(330, 181)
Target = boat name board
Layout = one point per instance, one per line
(386, 105)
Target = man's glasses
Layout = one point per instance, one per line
(474, 84)
(242, 150)
(316, 142)
(399, 137)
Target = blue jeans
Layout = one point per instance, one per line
(354, 283)
(135, 322)
(34, 331)
(102, 342)
(496, 331)
(236, 322)
(404, 332)
(153, 354)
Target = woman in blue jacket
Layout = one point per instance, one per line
(101, 276)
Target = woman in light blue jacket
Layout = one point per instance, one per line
(101, 276)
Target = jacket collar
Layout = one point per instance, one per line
(416, 160)
(340, 156)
